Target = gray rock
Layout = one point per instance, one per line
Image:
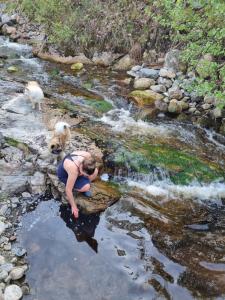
(124, 64)
(2, 140)
(2, 227)
(210, 100)
(3, 209)
(6, 267)
(37, 183)
(7, 247)
(167, 73)
(167, 82)
(14, 185)
(19, 251)
(192, 109)
(206, 106)
(161, 105)
(2, 260)
(158, 88)
(149, 73)
(3, 275)
(17, 272)
(174, 107)
(13, 292)
(105, 58)
(175, 93)
(217, 113)
(172, 60)
(143, 83)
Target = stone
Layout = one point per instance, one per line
(2, 260)
(104, 59)
(149, 73)
(13, 292)
(159, 88)
(6, 267)
(77, 66)
(12, 69)
(145, 98)
(184, 105)
(167, 73)
(150, 56)
(8, 30)
(124, 64)
(37, 183)
(192, 109)
(18, 251)
(206, 106)
(161, 105)
(26, 195)
(217, 113)
(164, 81)
(172, 60)
(17, 272)
(14, 185)
(3, 209)
(7, 247)
(175, 93)
(3, 275)
(174, 107)
(2, 227)
(210, 100)
(143, 83)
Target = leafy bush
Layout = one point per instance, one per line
(197, 27)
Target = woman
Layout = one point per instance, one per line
(76, 171)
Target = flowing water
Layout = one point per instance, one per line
(164, 239)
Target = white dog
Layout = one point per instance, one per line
(34, 93)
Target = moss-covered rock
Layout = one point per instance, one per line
(101, 106)
(145, 98)
(77, 66)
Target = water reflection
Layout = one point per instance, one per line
(84, 227)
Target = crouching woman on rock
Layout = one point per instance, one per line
(76, 171)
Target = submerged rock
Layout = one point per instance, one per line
(13, 292)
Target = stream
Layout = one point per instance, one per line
(164, 238)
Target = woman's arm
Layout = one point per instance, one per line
(72, 176)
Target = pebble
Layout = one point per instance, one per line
(13, 292)
(19, 251)
(3, 275)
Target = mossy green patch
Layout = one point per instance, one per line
(87, 85)
(17, 144)
(101, 106)
(145, 98)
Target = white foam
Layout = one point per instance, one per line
(211, 191)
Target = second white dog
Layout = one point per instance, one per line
(35, 94)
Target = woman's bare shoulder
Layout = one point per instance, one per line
(82, 153)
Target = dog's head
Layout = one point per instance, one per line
(54, 146)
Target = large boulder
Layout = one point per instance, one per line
(145, 98)
(143, 83)
(124, 64)
(103, 195)
(104, 59)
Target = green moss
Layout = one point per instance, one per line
(101, 106)
(17, 144)
(147, 97)
(87, 85)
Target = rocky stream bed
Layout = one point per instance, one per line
(154, 228)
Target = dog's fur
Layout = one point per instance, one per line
(61, 137)
(34, 93)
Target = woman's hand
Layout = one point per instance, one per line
(75, 212)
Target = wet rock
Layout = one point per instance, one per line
(174, 107)
(13, 292)
(12, 69)
(158, 88)
(18, 104)
(149, 73)
(145, 98)
(161, 105)
(18, 251)
(6, 267)
(143, 83)
(17, 272)
(124, 64)
(77, 66)
(3, 209)
(2, 260)
(26, 195)
(175, 93)
(103, 195)
(14, 185)
(37, 183)
(167, 73)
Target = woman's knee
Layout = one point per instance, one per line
(85, 188)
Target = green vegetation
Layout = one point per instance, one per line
(182, 167)
(87, 26)
(197, 26)
(101, 106)
(17, 144)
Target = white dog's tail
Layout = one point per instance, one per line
(60, 127)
